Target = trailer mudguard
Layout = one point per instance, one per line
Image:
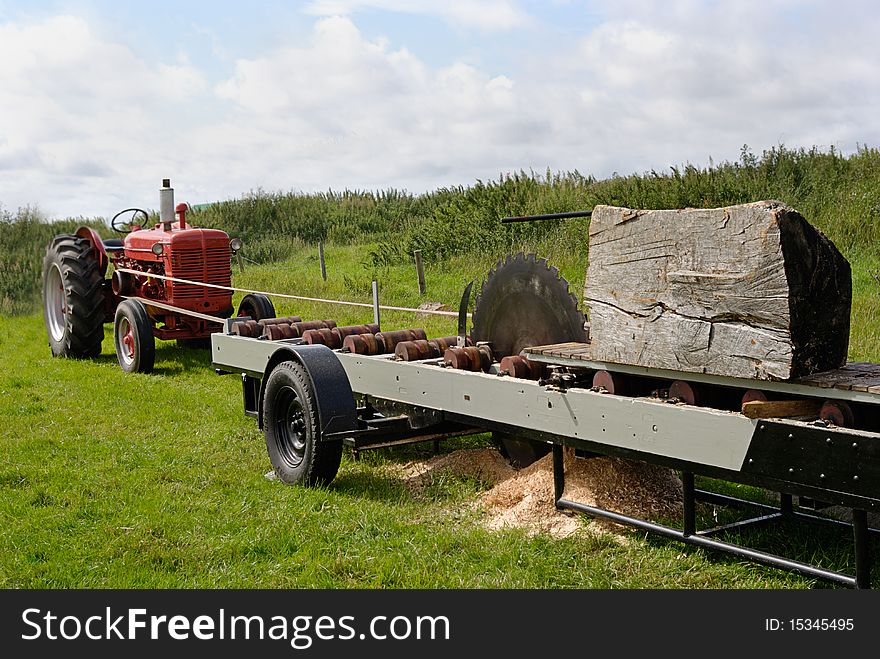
(331, 391)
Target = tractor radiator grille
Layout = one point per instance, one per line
(211, 267)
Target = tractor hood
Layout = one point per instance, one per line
(139, 244)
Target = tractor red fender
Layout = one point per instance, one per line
(331, 390)
(97, 244)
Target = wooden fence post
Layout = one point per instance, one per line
(321, 258)
(420, 270)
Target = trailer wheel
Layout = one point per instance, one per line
(257, 306)
(73, 298)
(290, 422)
(133, 337)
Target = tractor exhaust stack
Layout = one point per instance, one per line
(166, 204)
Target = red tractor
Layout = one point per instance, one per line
(142, 298)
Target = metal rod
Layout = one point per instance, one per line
(726, 500)
(420, 271)
(862, 548)
(545, 216)
(690, 508)
(701, 541)
(321, 259)
(365, 305)
(375, 302)
(734, 502)
(741, 524)
(558, 473)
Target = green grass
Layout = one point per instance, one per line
(114, 480)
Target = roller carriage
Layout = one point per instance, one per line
(140, 297)
(716, 348)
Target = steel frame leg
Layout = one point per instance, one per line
(558, 473)
(862, 548)
(689, 534)
(689, 522)
(786, 507)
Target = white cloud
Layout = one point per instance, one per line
(484, 15)
(87, 127)
(77, 112)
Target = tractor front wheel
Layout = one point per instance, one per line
(133, 336)
(257, 306)
(290, 424)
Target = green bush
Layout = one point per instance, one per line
(839, 194)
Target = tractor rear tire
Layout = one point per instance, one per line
(73, 298)
(133, 337)
(257, 306)
(292, 429)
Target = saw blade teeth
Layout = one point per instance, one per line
(555, 271)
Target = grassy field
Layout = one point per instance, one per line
(113, 480)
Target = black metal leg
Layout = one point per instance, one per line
(690, 508)
(863, 550)
(558, 473)
(786, 507)
(436, 446)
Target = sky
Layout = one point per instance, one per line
(99, 101)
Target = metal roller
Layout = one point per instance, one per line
(409, 351)
(447, 342)
(470, 358)
(301, 327)
(277, 332)
(248, 328)
(389, 340)
(613, 383)
(362, 344)
(519, 367)
(285, 320)
(322, 336)
(685, 392)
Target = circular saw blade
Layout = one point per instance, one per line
(524, 302)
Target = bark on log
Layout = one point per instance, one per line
(749, 291)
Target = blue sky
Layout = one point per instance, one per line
(101, 100)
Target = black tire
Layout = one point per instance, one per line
(73, 298)
(257, 306)
(133, 338)
(519, 452)
(290, 424)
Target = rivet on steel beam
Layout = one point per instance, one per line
(763, 427)
(791, 470)
(828, 441)
(821, 475)
(790, 435)
(751, 460)
(855, 445)
(856, 477)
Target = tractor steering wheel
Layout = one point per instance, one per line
(120, 226)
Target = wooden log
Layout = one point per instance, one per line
(750, 291)
(779, 409)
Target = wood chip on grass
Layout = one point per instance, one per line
(524, 498)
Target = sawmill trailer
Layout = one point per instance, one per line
(814, 439)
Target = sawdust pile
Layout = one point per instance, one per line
(524, 498)
(485, 465)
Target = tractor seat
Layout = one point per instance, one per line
(113, 243)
